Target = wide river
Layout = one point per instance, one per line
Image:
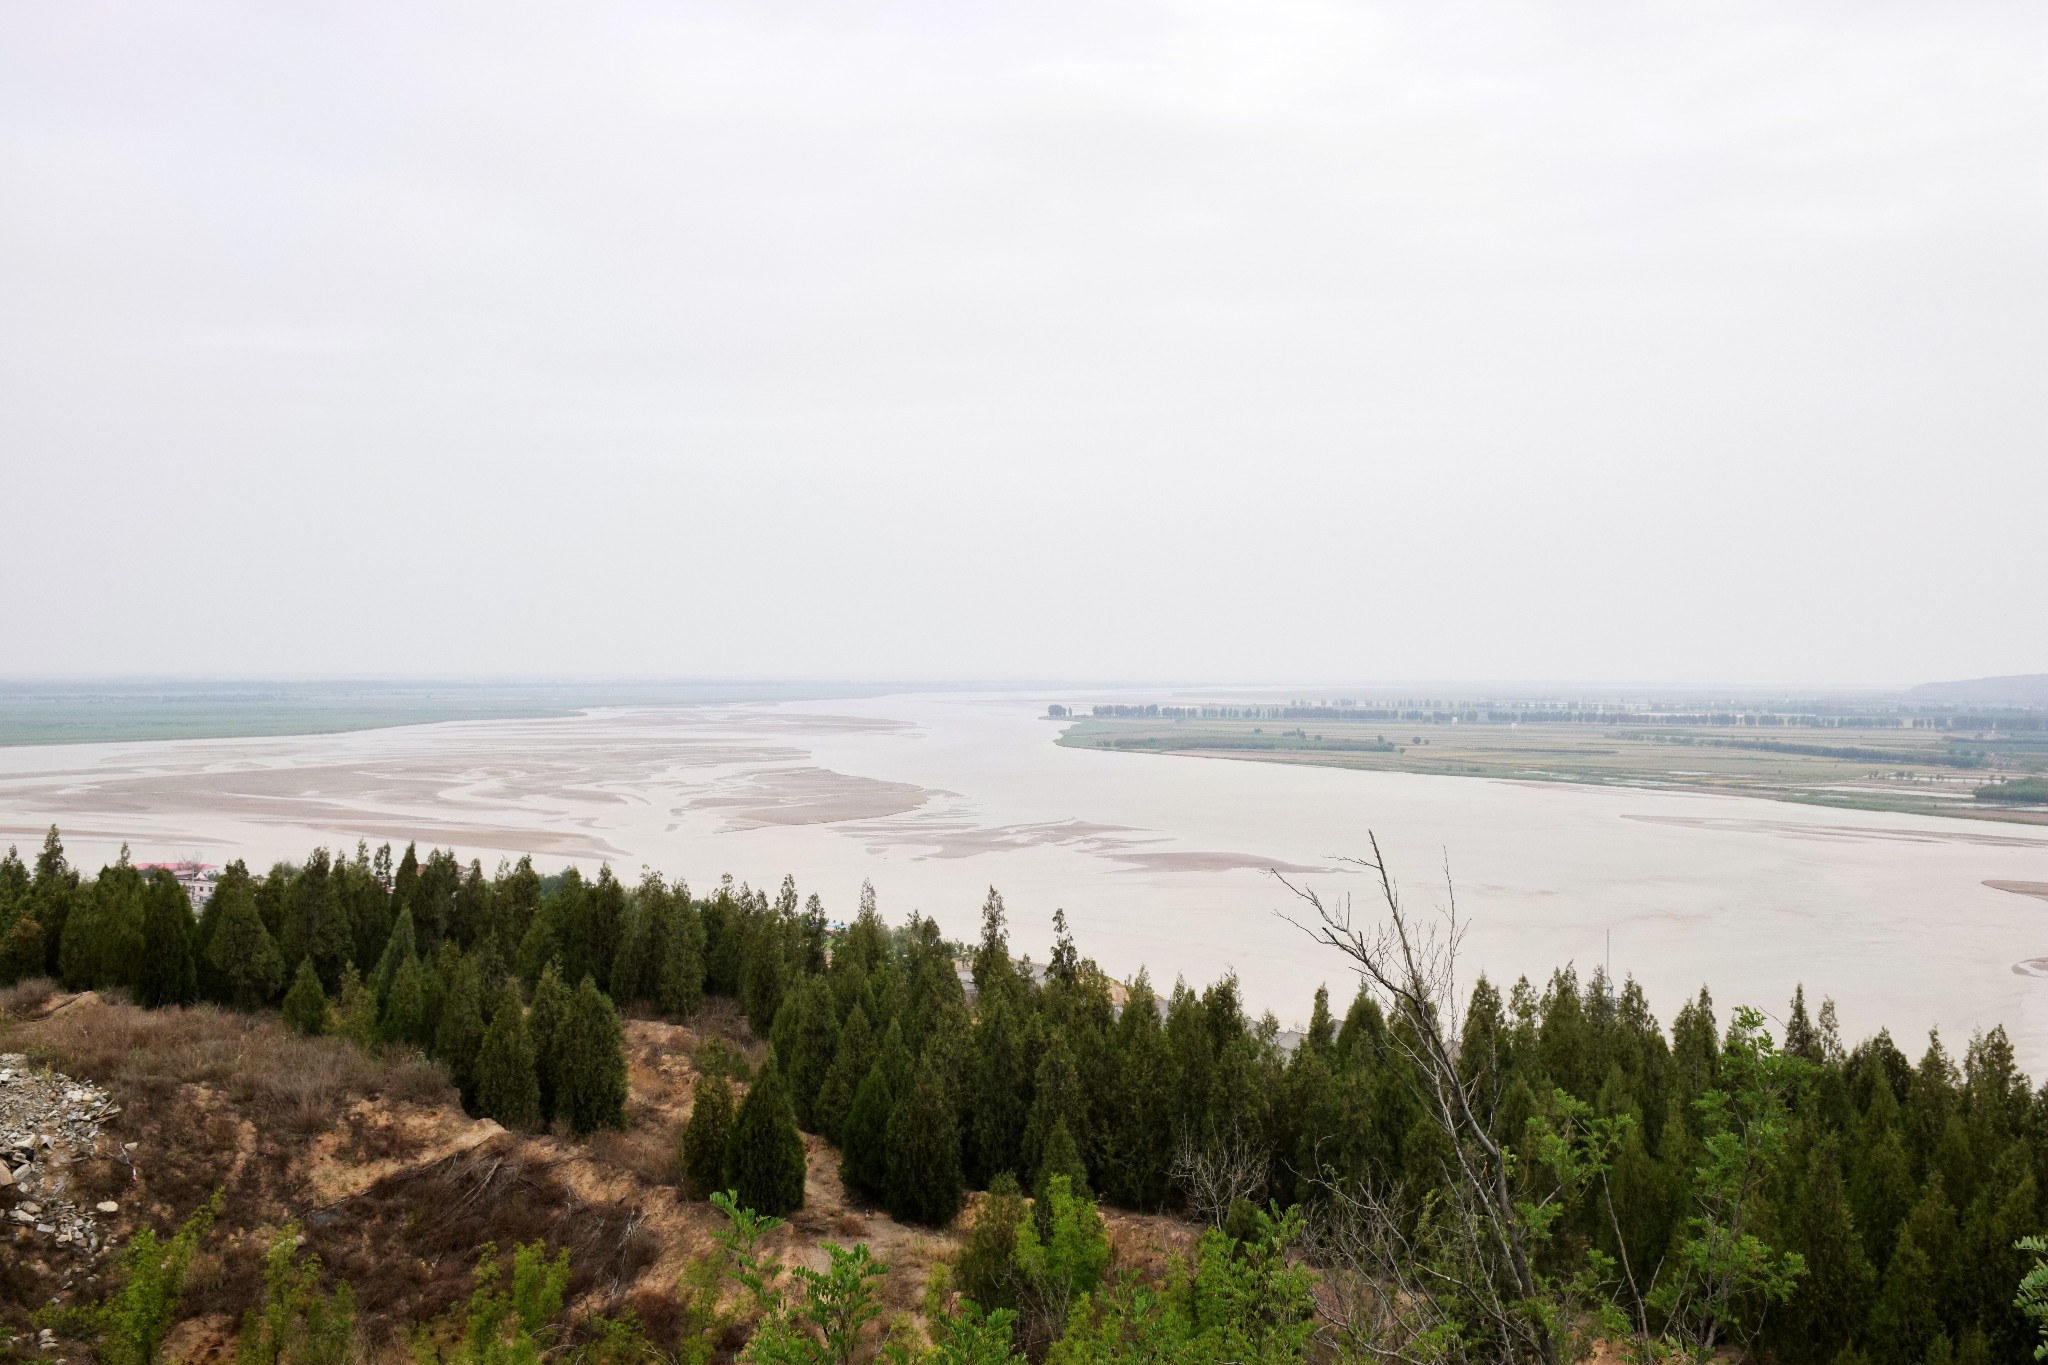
(1158, 861)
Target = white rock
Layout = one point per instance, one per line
(107, 1206)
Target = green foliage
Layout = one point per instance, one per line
(166, 974)
(806, 1317)
(1231, 1304)
(1722, 1270)
(823, 1322)
(923, 1136)
(305, 1004)
(459, 1033)
(404, 1020)
(508, 1325)
(2016, 791)
(589, 1064)
(706, 1136)
(507, 1083)
(864, 1138)
(21, 950)
(1070, 1259)
(551, 1004)
(806, 1038)
(850, 1063)
(355, 1010)
(297, 1324)
(717, 1057)
(132, 1325)
(764, 1158)
(2032, 1299)
(988, 1270)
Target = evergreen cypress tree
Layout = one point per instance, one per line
(1833, 1300)
(1904, 1319)
(590, 1063)
(632, 974)
(242, 953)
(806, 1036)
(850, 1065)
(51, 896)
(864, 1139)
(999, 1088)
(1062, 1158)
(398, 947)
(459, 1034)
(706, 1136)
(924, 1182)
(21, 951)
(1322, 1031)
(355, 1010)
(551, 1001)
(305, 1004)
(679, 988)
(767, 975)
(507, 1083)
(764, 1159)
(165, 975)
(1057, 1098)
(404, 1019)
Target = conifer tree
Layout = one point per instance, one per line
(705, 1137)
(103, 934)
(806, 1036)
(766, 975)
(21, 950)
(679, 985)
(507, 1083)
(51, 896)
(399, 946)
(404, 1020)
(1062, 1158)
(1833, 1300)
(590, 1063)
(632, 975)
(999, 1087)
(459, 1033)
(864, 1139)
(165, 975)
(242, 953)
(1056, 1098)
(924, 1181)
(850, 1065)
(355, 1010)
(305, 1004)
(764, 1158)
(1904, 1318)
(551, 1001)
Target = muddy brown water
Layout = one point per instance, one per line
(1907, 921)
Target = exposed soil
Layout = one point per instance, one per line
(394, 1187)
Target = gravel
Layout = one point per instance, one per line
(47, 1122)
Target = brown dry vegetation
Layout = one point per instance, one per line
(393, 1185)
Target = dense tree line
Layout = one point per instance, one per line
(1892, 1190)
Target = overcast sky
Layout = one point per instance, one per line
(1272, 341)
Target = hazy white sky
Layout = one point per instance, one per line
(1265, 341)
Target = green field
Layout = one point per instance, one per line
(94, 711)
(1920, 771)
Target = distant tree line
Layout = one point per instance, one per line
(1874, 1201)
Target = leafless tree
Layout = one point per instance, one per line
(1404, 1271)
(1214, 1175)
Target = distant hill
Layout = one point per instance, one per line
(2021, 689)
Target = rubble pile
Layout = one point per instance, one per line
(47, 1122)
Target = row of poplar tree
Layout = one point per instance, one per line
(1901, 1184)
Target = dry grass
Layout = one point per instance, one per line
(274, 1076)
(26, 999)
